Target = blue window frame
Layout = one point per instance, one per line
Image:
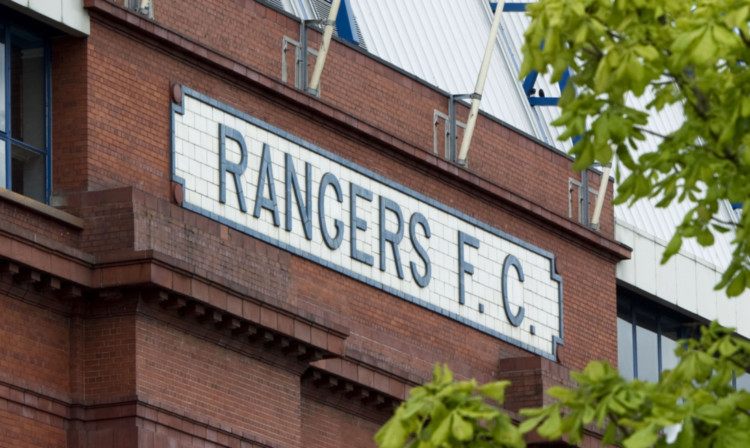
(25, 140)
(647, 336)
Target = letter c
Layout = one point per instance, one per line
(511, 260)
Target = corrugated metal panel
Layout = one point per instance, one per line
(442, 42)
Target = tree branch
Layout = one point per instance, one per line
(654, 133)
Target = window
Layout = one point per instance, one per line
(24, 112)
(141, 6)
(743, 382)
(647, 336)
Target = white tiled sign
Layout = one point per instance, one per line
(262, 181)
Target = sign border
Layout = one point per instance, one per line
(180, 109)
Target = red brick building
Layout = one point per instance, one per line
(196, 253)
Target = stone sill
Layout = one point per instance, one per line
(41, 209)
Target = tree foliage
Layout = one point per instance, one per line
(693, 405)
(692, 55)
(451, 414)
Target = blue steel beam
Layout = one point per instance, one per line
(530, 80)
(510, 7)
(345, 24)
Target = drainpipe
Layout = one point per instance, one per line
(323, 51)
(476, 97)
(600, 197)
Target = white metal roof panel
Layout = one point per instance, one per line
(443, 42)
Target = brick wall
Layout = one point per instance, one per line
(69, 108)
(104, 369)
(229, 390)
(17, 430)
(327, 426)
(35, 347)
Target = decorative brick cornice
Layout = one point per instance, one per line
(255, 322)
(352, 391)
(272, 329)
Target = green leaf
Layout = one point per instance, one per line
(461, 429)
(736, 286)
(610, 435)
(705, 48)
(595, 370)
(552, 426)
(705, 238)
(672, 248)
(495, 390)
(442, 430)
(562, 394)
(602, 78)
(530, 423)
(642, 438)
(392, 435)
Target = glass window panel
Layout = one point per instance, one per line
(2, 83)
(743, 382)
(27, 89)
(27, 173)
(3, 146)
(670, 333)
(625, 348)
(647, 352)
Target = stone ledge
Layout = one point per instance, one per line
(41, 208)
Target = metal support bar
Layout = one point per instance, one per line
(600, 197)
(474, 112)
(323, 51)
(303, 55)
(452, 130)
(302, 72)
(585, 200)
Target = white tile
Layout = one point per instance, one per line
(704, 285)
(743, 313)
(666, 274)
(644, 256)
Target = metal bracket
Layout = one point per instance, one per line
(300, 79)
(452, 132)
(286, 43)
(324, 22)
(582, 199)
(436, 117)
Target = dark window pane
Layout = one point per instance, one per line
(27, 88)
(3, 173)
(2, 81)
(670, 333)
(625, 348)
(27, 173)
(646, 348)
